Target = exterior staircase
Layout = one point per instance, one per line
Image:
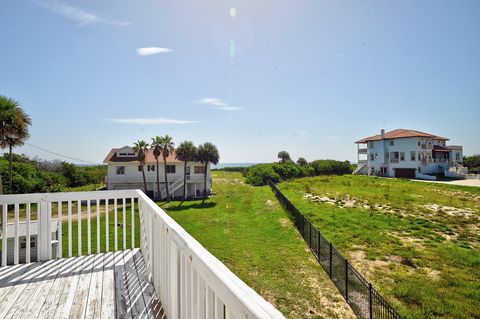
(362, 169)
(172, 187)
(456, 170)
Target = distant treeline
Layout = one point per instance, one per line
(36, 175)
(472, 162)
(231, 169)
(260, 174)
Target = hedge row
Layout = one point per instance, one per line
(260, 174)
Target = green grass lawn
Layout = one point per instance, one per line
(246, 229)
(419, 243)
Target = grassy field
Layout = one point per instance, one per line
(245, 227)
(419, 243)
(111, 231)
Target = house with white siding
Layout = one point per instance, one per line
(408, 154)
(124, 172)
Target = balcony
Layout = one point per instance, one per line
(426, 146)
(362, 151)
(144, 265)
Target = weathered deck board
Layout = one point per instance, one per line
(109, 285)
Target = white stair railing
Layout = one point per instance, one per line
(172, 187)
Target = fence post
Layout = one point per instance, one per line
(318, 252)
(310, 243)
(370, 300)
(303, 227)
(346, 279)
(331, 266)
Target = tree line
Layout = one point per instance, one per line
(163, 146)
(286, 169)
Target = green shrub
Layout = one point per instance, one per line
(260, 174)
(331, 167)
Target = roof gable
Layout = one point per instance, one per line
(400, 133)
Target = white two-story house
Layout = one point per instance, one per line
(407, 153)
(124, 172)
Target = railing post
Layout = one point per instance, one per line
(346, 279)
(44, 233)
(370, 300)
(331, 266)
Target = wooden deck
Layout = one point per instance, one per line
(108, 285)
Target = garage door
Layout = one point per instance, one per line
(405, 172)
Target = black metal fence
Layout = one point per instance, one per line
(366, 301)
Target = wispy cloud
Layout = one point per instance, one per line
(151, 121)
(76, 13)
(152, 51)
(218, 104)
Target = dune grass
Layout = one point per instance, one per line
(419, 243)
(245, 227)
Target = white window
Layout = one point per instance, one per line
(391, 142)
(383, 170)
(170, 169)
(372, 156)
(120, 170)
(151, 168)
(413, 155)
(139, 168)
(402, 156)
(457, 156)
(199, 169)
(376, 155)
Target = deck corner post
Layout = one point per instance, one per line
(44, 234)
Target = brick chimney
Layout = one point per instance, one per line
(382, 133)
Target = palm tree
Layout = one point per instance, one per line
(14, 124)
(141, 149)
(186, 152)
(302, 161)
(166, 147)
(284, 157)
(156, 142)
(207, 153)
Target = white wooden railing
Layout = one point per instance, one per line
(189, 281)
(75, 205)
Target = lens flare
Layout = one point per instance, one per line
(233, 12)
(232, 48)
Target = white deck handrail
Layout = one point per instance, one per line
(189, 280)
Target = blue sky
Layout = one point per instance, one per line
(253, 77)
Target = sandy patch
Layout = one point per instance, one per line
(284, 222)
(351, 202)
(466, 213)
